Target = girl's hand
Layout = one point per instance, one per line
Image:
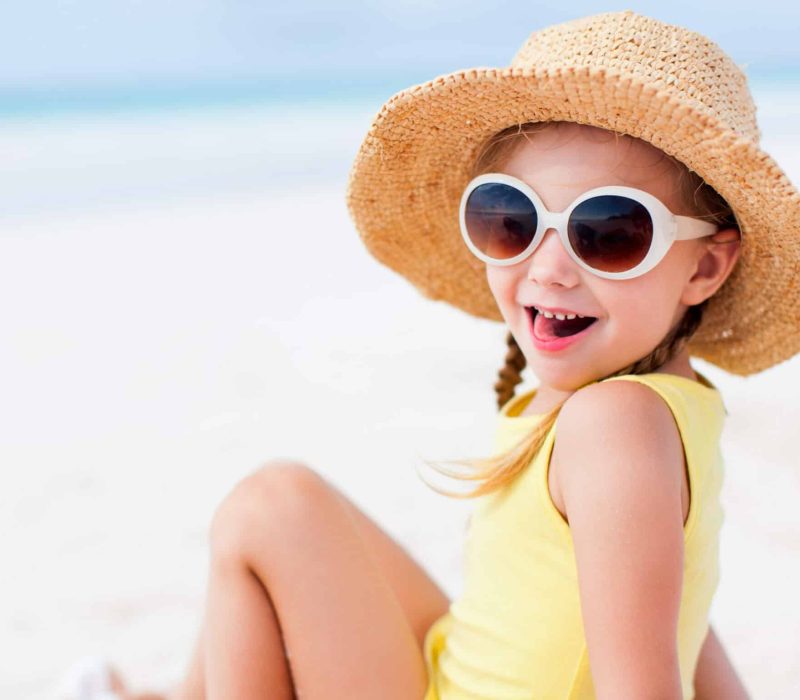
(715, 678)
(618, 461)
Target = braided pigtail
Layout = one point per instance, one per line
(510, 372)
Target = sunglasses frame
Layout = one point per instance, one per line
(667, 227)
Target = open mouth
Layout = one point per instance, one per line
(550, 328)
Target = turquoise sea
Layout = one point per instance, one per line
(55, 100)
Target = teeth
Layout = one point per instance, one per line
(560, 317)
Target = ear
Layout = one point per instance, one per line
(717, 257)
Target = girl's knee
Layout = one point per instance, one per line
(264, 504)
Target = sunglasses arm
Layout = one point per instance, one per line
(687, 228)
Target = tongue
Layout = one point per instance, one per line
(548, 328)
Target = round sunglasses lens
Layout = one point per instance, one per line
(611, 233)
(500, 220)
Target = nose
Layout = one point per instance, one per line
(550, 264)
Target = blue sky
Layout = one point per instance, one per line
(108, 42)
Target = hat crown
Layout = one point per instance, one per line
(686, 65)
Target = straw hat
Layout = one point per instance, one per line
(635, 75)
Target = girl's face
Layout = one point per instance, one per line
(633, 315)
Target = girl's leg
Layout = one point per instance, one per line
(296, 565)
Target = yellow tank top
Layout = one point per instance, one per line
(516, 631)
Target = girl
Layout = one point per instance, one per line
(606, 198)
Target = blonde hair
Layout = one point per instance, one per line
(493, 472)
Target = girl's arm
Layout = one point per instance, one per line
(618, 463)
(715, 678)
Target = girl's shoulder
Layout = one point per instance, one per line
(626, 410)
(645, 397)
(617, 445)
(655, 417)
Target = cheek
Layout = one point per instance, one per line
(647, 308)
(502, 283)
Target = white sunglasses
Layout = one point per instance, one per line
(614, 232)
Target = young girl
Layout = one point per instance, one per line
(606, 198)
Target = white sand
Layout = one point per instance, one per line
(166, 331)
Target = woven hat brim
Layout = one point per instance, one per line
(406, 182)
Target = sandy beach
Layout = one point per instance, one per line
(185, 297)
